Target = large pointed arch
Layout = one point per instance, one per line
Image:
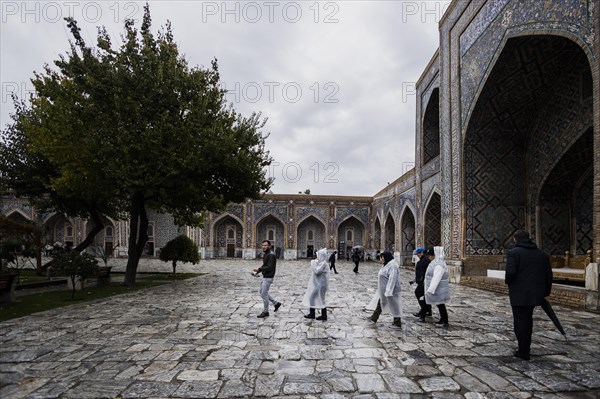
(228, 236)
(408, 231)
(311, 236)
(350, 232)
(377, 234)
(389, 233)
(431, 128)
(534, 103)
(271, 228)
(433, 219)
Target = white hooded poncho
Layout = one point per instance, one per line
(318, 281)
(388, 290)
(437, 286)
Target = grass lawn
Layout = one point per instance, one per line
(29, 304)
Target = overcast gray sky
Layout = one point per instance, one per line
(334, 78)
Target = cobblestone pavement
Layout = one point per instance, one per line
(200, 338)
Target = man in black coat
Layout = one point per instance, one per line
(529, 279)
(420, 270)
(332, 262)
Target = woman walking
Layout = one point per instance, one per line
(317, 286)
(437, 287)
(388, 290)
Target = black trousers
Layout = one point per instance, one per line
(425, 308)
(333, 267)
(523, 323)
(443, 312)
(355, 270)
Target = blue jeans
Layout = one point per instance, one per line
(265, 284)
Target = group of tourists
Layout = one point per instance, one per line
(431, 277)
(528, 276)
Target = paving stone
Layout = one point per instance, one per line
(145, 389)
(369, 383)
(198, 375)
(198, 389)
(439, 384)
(236, 389)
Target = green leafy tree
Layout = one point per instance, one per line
(76, 266)
(140, 129)
(27, 172)
(16, 239)
(180, 249)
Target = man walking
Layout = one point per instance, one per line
(332, 262)
(420, 270)
(268, 272)
(529, 279)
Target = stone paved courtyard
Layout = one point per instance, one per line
(200, 338)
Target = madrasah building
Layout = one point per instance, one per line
(507, 138)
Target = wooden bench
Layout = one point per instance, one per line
(103, 276)
(570, 267)
(7, 287)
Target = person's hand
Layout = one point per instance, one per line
(422, 298)
(255, 270)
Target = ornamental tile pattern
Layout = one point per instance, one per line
(361, 214)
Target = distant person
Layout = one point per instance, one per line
(356, 260)
(318, 283)
(268, 273)
(332, 262)
(437, 284)
(529, 279)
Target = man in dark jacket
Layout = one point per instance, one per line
(332, 262)
(268, 272)
(420, 270)
(529, 279)
(356, 260)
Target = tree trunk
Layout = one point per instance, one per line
(89, 239)
(138, 236)
(174, 265)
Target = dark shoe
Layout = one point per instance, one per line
(277, 306)
(263, 315)
(309, 316)
(441, 323)
(397, 321)
(323, 316)
(521, 355)
(418, 314)
(371, 319)
(336, 273)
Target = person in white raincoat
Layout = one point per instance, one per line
(388, 290)
(437, 286)
(317, 286)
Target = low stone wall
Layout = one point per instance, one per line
(479, 265)
(573, 297)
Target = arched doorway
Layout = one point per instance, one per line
(566, 201)
(311, 237)
(377, 235)
(407, 236)
(228, 238)
(431, 127)
(350, 233)
(59, 232)
(272, 229)
(390, 233)
(105, 241)
(536, 103)
(433, 221)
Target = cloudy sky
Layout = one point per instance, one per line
(334, 78)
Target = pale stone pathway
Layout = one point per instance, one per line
(200, 338)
